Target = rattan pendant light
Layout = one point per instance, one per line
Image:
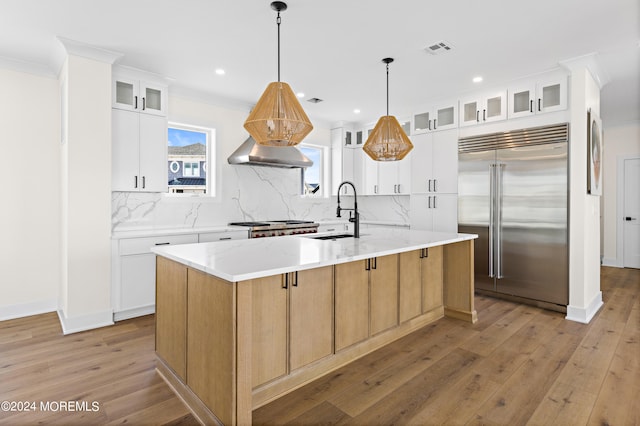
(278, 118)
(387, 141)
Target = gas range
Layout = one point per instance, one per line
(276, 228)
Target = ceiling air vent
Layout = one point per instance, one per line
(314, 100)
(439, 47)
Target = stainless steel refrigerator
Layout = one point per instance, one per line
(513, 193)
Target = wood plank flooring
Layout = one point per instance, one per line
(517, 365)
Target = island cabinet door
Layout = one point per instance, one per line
(384, 293)
(410, 283)
(351, 303)
(171, 315)
(432, 278)
(268, 328)
(310, 316)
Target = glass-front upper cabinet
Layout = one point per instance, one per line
(442, 116)
(140, 96)
(483, 108)
(533, 97)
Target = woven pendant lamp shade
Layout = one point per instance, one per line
(278, 118)
(387, 141)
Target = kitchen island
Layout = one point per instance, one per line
(241, 323)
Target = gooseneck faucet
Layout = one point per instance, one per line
(354, 216)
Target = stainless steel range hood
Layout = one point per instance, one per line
(251, 153)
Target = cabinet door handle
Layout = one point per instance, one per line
(375, 263)
(295, 279)
(435, 185)
(531, 105)
(135, 181)
(477, 116)
(434, 202)
(399, 192)
(429, 125)
(144, 182)
(375, 189)
(539, 104)
(144, 103)
(367, 265)
(434, 124)
(135, 102)
(429, 185)
(429, 201)
(286, 281)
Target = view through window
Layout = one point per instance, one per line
(188, 153)
(312, 176)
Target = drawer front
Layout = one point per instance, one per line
(221, 236)
(131, 246)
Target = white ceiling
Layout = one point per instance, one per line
(332, 49)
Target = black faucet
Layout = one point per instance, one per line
(355, 217)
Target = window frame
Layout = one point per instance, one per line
(323, 172)
(210, 159)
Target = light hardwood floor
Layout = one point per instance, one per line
(517, 365)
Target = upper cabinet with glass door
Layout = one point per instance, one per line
(440, 117)
(483, 108)
(537, 97)
(140, 96)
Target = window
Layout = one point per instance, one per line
(312, 177)
(190, 150)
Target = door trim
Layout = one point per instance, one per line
(619, 260)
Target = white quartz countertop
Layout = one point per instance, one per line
(239, 260)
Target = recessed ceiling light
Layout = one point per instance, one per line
(477, 79)
(220, 71)
(357, 111)
(300, 95)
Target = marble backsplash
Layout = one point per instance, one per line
(246, 193)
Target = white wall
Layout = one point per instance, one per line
(86, 202)
(30, 212)
(622, 140)
(585, 297)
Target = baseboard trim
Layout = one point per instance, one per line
(135, 312)
(613, 262)
(85, 322)
(28, 309)
(584, 315)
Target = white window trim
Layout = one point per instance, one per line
(324, 171)
(212, 187)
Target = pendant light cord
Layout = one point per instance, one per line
(387, 89)
(278, 22)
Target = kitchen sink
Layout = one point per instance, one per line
(330, 237)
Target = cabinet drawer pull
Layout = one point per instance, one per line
(162, 244)
(224, 238)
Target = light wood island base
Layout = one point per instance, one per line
(227, 348)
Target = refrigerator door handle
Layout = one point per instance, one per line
(499, 222)
(492, 175)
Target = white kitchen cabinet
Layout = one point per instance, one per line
(138, 95)
(538, 97)
(434, 212)
(441, 116)
(134, 274)
(483, 108)
(342, 157)
(207, 237)
(434, 167)
(139, 152)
